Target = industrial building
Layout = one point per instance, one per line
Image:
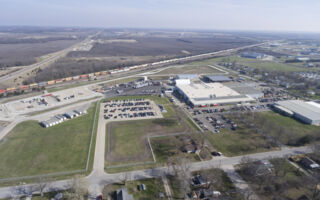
(187, 76)
(217, 78)
(205, 94)
(57, 119)
(307, 112)
(249, 89)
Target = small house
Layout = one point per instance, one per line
(122, 194)
(308, 163)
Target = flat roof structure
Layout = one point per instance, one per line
(218, 78)
(187, 76)
(246, 89)
(306, 112)
(211, 93)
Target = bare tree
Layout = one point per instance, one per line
(181, 169)
(124, 177)
(42, 184)
(78, 189)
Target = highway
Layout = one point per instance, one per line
(44, 63)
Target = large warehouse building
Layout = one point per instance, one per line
(205, 94)
(307, 112)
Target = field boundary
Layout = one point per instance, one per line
(153, 155)
(3, 180)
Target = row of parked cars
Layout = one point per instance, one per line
(207, 111)
(128, 109)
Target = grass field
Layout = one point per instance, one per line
(169, 147)
(129, 139)
(242, 141)
(153, 188)
(254, 63)
(285, 182)
(30, 149)
(189, 69)
(287, 130)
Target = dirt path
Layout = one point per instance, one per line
(166, 186)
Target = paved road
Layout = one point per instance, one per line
(100, 179)
(166, 186)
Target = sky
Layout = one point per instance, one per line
(246, 15)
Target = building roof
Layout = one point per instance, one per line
(302, 108)
(122, 194)
(244, 88)
(71, 113)
(211, 93)
(218, 78)
(187, 76)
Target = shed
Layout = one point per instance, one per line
(70, 114)
(122, 194)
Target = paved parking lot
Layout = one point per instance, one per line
(132, 109)
(215, 118)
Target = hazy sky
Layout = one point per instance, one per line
(270, 15)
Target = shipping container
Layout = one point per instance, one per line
(41, 84)
(60, 80)
(69, 79)
(51, 82)
(33, 85)
(11, 89)
(91, 75)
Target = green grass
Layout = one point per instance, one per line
(129, 138)
(30, 149)
(153, 188)
(243, 140)
(169, 147)
(186, 69)
(288, 130)
(254, 63)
